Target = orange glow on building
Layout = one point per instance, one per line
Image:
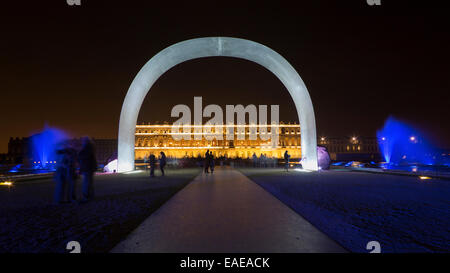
(152, 139)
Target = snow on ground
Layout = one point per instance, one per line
(30, 223)
(404, 214)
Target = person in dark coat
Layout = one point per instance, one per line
(152, 163)
(65, 174)
(88, 166)
(261, 160)
(207, 161)
(211, 161)
(287, 156)
(71, 175)
(255, 160)
(162, 162)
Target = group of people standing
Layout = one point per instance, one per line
(263, 161)
(66, 172)
(152, 163)
(209, 162)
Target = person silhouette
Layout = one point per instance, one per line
(207, 161)
(152, 164)
(64, 175)
(211, 162)
(88, 166)
(162, 162)
(255, 160)
(287, 156)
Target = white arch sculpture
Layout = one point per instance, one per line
(209, 47)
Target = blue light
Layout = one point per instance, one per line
(44, 145)
(15, 169)
(401, 144)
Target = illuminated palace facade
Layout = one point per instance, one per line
(152, 139)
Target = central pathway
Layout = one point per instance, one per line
(225, 212)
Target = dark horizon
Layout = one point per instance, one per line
(71, 66)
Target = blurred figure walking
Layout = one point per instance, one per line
(71, 175)
(65, 174)
(88, 166)
(287, 156)
(207, 161)
(152, 163)
(211, 162)
(162, 162)
(255, 160)
(261, 160)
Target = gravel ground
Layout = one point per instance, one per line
(29, 222)
(404, 214)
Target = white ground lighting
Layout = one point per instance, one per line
(210, 47)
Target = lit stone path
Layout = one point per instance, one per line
(225, 212)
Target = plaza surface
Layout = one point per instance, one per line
(402, 213)
(263, 210)
(226, 212)
(30, 223)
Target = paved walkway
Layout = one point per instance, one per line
(225, 212)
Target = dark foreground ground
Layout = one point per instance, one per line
(404, 214)
(30, 223)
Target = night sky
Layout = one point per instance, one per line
(70, 67)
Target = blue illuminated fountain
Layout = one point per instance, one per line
(43, 146)
(400, 144)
